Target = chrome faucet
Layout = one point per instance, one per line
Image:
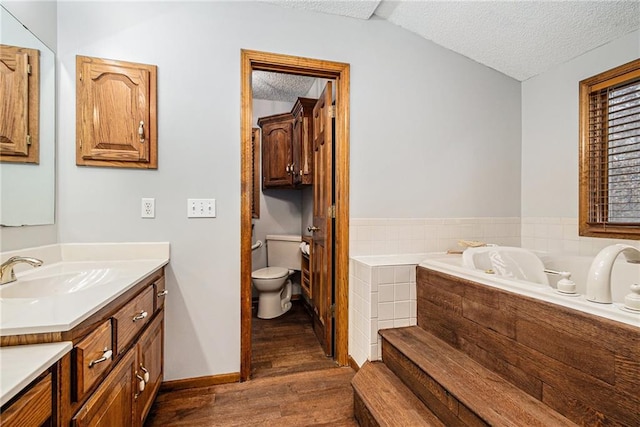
(6, 268)
(599, 278)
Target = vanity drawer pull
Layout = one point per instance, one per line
(163, 293)
(141, 383)
(105, 356)
(146, 373)
(142, 315)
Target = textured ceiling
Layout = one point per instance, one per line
(279, 87)
(518, 38)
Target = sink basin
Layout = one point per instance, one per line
(53, 283)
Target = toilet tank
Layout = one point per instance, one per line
(284, 251)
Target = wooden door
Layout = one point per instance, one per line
(322, 268)
(115, 123)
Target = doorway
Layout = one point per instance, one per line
(339, 72)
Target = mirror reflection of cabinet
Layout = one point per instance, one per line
(27, 190)
(20, 94)
(116, 121)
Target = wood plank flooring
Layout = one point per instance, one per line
(293, 384)
(286, 345)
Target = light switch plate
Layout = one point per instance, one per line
(201, 208)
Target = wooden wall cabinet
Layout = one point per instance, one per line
(20, 106)
(303, 138)
(277, 151)
(287, 155)
(116, 122)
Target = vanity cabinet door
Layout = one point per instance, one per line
(115, 113)
(33, 408)
(112, 403)
(277, 151)
(149, 366)
(20, 106)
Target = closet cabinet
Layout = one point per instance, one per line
(116, 124)
(287, 154)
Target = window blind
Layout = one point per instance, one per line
(613, 152)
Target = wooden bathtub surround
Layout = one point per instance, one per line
(584, 367)
(100, 380)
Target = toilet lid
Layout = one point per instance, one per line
(270, 273)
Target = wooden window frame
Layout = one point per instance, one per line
(614, 77)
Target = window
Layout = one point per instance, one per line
(610, 153)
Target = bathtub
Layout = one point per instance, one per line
(544, 288)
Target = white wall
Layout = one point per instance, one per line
(38, 16)
(550, 128)
(550, 150)
(432, 134)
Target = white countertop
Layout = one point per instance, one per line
(62, 312)
(21, 364)
(112, 268)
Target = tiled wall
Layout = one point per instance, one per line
(383, 236)
(385, 252)
(382, 294)
(560, 235)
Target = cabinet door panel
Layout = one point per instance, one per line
(112, 403)
(19, 110)
(116, 112)
(277, 151)
(150, 351)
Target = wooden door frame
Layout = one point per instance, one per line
(252, 60)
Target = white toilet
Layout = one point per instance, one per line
(272, 282)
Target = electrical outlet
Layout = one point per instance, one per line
(201, 208)
(148, 208)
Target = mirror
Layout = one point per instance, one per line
(27, 191)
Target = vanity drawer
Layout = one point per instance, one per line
(160, 293)
(131, 318)
(94, 356)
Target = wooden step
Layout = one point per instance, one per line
(381, 399)
(458, 389)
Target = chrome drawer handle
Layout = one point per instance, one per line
(105, 356)
(140, 316)
(163, 293)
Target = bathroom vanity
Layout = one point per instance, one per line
(106, 338)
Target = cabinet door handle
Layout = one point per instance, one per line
(313, 228)
(163, 293)
(105, 356)
(145, 375)
(288, 168)
(141, 132)
(141, 383)
(140, 316)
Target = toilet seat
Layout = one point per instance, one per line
(270, 273)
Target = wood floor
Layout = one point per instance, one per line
(293, 384)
